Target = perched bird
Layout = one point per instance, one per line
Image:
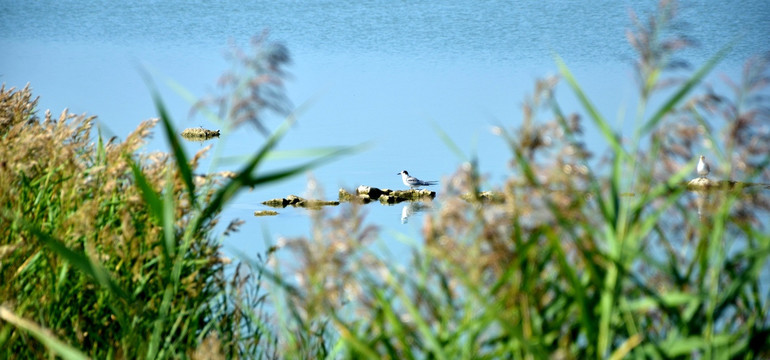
(703, 167)
(414, 182)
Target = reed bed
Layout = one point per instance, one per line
(83, 254)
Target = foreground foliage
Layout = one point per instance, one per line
(81, 250)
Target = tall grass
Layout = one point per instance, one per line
(86, 255)
(586, 258)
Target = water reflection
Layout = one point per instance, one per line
(701, 197)
(411, 208)
(710, 195)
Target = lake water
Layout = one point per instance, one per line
(379, 71)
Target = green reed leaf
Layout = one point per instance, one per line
(685, 89)
(428, 335)
(449, 142)
(151, 198)
(179, 154)
(391, 318)
(159, 323)
(278, 175)
(578, 291)
(626, 347)
(161, 210)
(187, 95)
(593, 113)
(101, 152)
(351, 337)
(79, 260)
(45, 336)
(168, 221)
(293, 154)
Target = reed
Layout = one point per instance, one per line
(84, 255)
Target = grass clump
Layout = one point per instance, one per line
(81, 199)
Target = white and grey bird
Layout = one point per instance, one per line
(703, 167)
(414, 182)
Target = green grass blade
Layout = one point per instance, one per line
(194, 102)
(597, 118)
(693, 80)
(161, 210)
(626, 347)
(615, 190)
(606, 309)
(79, 260)
(101, 152)
(173, 139)
(158, 326)
(169, 228)
(43, 335)
(521, 160)
(422, 326)
(294, 154)
(350, 337)
(449, 142)
(586, 318)
(293, 171)
(397, 325)
(151, 198)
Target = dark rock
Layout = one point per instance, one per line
(276, 203)
(372, 192)
(293, 199)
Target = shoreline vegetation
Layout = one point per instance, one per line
(108, 253)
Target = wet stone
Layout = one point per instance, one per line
(265, 213)
(297, 201)
(367, 194)
(199, 133)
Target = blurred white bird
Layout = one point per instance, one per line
(703, 167)
(414, 182)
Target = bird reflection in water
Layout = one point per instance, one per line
(411, 208)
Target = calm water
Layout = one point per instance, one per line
(381, 71)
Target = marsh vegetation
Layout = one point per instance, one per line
(108, 253)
